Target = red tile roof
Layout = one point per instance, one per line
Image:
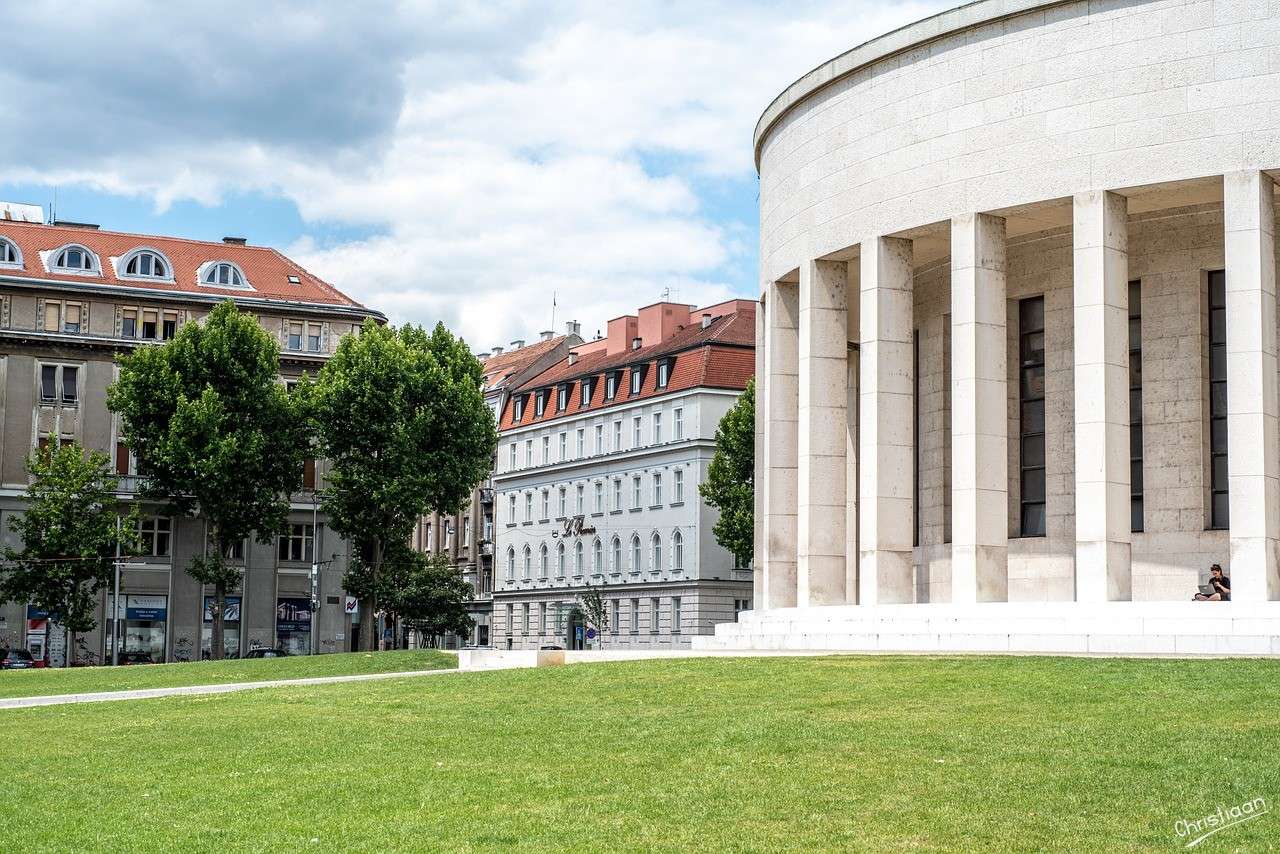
(720, 356)
(498, 368)
(266, 270)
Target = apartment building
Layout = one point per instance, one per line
(599, 461)
(468, 537)
(73, 297)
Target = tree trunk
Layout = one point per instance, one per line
(369, 604)
(71, 647)
(219, 611)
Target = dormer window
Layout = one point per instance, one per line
(10, 256)
(637, 378)
(611, 384)
(74, 259)
(223, 274)
(664, 372)
(519, 411)
(587, 386)
(562, 398)
(147, 264)
(540, 404)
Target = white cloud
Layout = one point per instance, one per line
(499, 152)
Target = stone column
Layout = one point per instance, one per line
(979, 418)
(822, 431)
(1252, 468)
(781, 356)
(757, 539)
(886, 440)
(1101, 270)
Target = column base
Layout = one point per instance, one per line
(887, 577)
(979, 574)
(821, 580)
(1104, 571)
(1255, 569)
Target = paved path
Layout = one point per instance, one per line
(223, 688)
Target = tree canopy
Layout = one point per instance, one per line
(70, 532)
(425, 591)
(216, 434)
(401, 418)
(730, 486)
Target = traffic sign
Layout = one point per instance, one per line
(351, 605)
(591, 634)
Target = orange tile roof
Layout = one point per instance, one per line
(720, 356)
(266, 269)
(497, 369)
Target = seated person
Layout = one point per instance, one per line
(1218, 589)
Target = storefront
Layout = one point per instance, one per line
(144, 621)
(293, 624)
(230, 627)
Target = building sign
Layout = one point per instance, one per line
(145, 608)
(574, 527)
(230, 610)
(293, 615)
(351, 605)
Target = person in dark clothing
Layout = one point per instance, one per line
(1218, 589)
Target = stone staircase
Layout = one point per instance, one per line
(1112, 628)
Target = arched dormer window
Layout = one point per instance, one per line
(10, 254)
(146, 264)
(223, 274)
(74, 259)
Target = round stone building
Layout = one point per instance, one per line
(1016, 356)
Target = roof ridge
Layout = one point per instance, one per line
(144, 235)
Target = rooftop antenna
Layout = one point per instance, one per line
(53, 206)
(666, 294)
(553, 309)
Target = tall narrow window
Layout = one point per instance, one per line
(915, 437)
(1031, 415)
(1135, 407)
(1219, 510)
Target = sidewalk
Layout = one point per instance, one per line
(224, 688)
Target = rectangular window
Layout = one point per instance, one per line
(313, 337)
(635, 492)
(653, 615)
(617, 493)
(59, 383)
(1031, 415)
(528, 506)
(524, 618)
(676, 621)
(154, 533)
(664, 373)
(617, 435)
(562, 398)
(511, 502)
(150, 323)
(657, 428)
(563, 504)
(657, 487)
(581, 442)
(635, 616)
(636, 425)
(613, 616)
(71, 317)
(916, 516)
(636, 379)
(546, 505)
(129, 323)
(578, 500)
(1135, 407)
(586, 391)
(564, 446)
(599, 438)
(678, 425)
(679, 487)
(519, 409)
(48, 383)
(1219, 495)
(294, 339)
(610, 386)
(546, 450)
(169, 325)
(511, 619)
(52, 316)
(528, 452)
(599, 496)
(466, 532)
(297, 543)
(513, 456)
(540, 403)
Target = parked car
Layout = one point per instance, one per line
(266, 652)
(550, 646)
(15, 659)
(135, 657)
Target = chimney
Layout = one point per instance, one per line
(517, 344)
(235, 241)
(620, 331)
(66, 223)
(573, 327)
(706, 320)
(497, 351)
(636, 342)
(482, 356)
(573, 357)
(546, 334)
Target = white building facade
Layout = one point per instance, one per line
(1018, 385)
(596, 486)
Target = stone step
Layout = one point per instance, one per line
(1109, 643)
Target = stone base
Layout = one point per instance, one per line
(1068, 628)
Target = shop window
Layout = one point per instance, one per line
(293, 624)
(230, 627)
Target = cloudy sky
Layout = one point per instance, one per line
(439, 161)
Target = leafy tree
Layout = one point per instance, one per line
(70, 533)
(426, 592)
(401, 417)
(730, 484)
(593, 608)
(216, 435)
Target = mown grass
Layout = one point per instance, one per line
(769, 754)
(78, 680)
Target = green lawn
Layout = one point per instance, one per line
(77, 680)
(767, 754)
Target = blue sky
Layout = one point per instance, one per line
(438, 161)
